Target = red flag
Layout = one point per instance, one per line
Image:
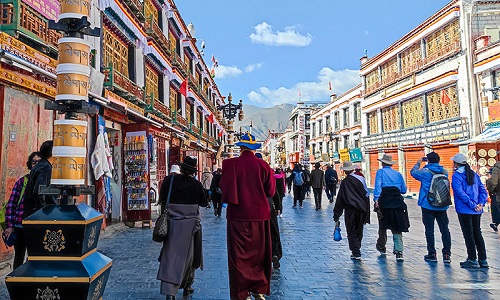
(211, 118)
(445, 99)
(183, 89)
(330, 85)
(220, 133)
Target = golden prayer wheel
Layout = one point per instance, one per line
(74, 9)
(70, 133)
(72, 82)
(69, 165)
(74, 51)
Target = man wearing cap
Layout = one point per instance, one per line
(353, 197)
(432, 213)
(246, 183)
(389, 202)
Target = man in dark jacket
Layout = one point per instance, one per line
(353, 198)
(317, 182)
(39, 176)
(331, 179)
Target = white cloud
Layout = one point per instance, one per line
(222, 72)
(252, 67)
(341, 80)
(290, 37)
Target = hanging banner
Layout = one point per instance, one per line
(355, 155)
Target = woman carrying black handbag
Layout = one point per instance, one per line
(177, 269)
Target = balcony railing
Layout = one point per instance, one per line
(120, 83)
(156, 33)
(205, 136)
(162, 108)
(137, 8)
(180, 120)
(441, 131)
(18, 16)
(194, 129)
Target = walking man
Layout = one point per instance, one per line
(353, 198)
(432, 213)
(299, 182)
(331, 179)
(390, 206)
(318, 183)
(246, 184)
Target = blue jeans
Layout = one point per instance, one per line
(441, 216)
(331, 190)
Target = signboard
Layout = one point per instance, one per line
(335, 156)
(355, 155)
(494, 112)
(47, 8)
(344, 155)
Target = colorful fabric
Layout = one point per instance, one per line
(15, 207)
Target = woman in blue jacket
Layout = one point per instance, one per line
(470, 196)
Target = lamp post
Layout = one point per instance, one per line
(229, 112)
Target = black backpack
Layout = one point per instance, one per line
(439, 190)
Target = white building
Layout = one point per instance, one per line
(298, 150)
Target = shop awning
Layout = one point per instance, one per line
(491, 134)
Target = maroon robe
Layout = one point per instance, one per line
(246, 183)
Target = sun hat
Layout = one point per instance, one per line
(175, 169)
(459, 158)
(248, 141)
(347, 166)
(189, 163)
(387, 159)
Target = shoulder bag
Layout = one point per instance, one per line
(161, 226)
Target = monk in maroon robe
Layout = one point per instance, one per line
(246, 183)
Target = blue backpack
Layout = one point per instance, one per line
(298, 180)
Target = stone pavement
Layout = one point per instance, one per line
(313, 266)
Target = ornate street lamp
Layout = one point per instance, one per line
(229, 112)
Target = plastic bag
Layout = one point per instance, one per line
(336, 233)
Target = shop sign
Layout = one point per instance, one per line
(324, 157)
(494, 112)
(115, 116)
(18, 48)
(47, 8)
(176, 142)
(27, 82)
(356, 155)
(335, 156)
(114, 98)
(192, 153)
(344, 154)
(135, 108)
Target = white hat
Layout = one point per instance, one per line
(459, 158)
(347, 166)
(387, 159)
(175, 169)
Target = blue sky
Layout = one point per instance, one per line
(269, 49)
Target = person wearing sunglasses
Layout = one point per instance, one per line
(13, 234)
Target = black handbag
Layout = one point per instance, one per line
(161, 226)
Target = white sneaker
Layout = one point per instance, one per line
(280, 215)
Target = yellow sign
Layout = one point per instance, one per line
(27, 82)
(344, 155)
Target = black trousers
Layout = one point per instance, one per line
(217, 202)
(317, 197)
(19, 247)
(471, 229)
(354, 221)
(331, 191)
(298, 195)
(495, 210)
(441, 217)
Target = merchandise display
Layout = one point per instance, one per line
(136, 170)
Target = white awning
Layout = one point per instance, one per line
(490, 135)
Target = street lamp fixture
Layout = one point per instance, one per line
(229, 112)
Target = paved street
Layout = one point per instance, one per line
(314, 266)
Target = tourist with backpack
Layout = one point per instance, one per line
(434, 184)
(14, 211)
(470, 196)
(298, 180)
(331, 180)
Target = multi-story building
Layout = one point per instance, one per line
(148, 81)
(336, 129)
(298, 149)
(419, 93)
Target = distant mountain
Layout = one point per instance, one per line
(264, 119)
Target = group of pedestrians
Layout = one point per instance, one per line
(469, 193)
